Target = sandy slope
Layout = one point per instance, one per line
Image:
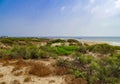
(9, 77)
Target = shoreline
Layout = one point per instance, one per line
(100, 42)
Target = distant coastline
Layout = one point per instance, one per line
(115, 41)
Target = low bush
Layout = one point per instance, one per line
(6, 41)
(82, 49)
(27, 79)
(39, 69)
(84, 59)
(61, 70)
(65, 50)
(55, 41)
(3, 53)
(77, 73)
(102, 48)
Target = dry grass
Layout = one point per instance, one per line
(69, 78)
(18, 73)
(51, 81)
(27, 79)
(3, 83)
(61, 70)
(5, 62)
(21, 63)
(79, 81)
(1, 75)
(39, 69)
(16, 68)
(15, 82)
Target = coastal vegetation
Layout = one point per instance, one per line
(93, 64)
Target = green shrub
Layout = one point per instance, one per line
(82, 49)
(55, 41)
(72, 40)
(7, 41)
(102, 48)
(77, 73)
(63, 63)
(84, 59)
(3, 53)
(64, 50)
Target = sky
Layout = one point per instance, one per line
(59, 17)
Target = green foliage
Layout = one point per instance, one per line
(55, 41)
(84, 59)
(64, 50)
(72, 40)
(63, 63)
(3, 53)
(7, 41)
(102, 48)
(77, 73)
(82, 49)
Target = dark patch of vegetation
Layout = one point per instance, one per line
(39, 69)
(56, 41)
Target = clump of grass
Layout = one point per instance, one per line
(16, 68)
(15, 82)
(69, 78)
(51, 81)
(21, 62)
(61, 70)
(27, 79)
(5, 63)
(3, 82)
(102, 48)
(1, 75)
(79, 81)
(39, 69)
(18, 73)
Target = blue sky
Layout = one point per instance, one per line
(59, 17)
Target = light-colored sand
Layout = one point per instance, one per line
(9, 77)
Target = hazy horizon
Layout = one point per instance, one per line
(69, 18)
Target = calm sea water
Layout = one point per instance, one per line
(103, 39)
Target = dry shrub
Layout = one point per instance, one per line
(61, 70)
(5, 57)
(1, 61)
(15, 82)
(5, 63)
(21, 63)
(51, 81)
(69, 78)
(27, 79)
(16, 68)
(3, 82)
(1, 75)
(39, 69)
(79, 81)
(18, 73)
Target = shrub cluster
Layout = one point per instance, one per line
(101, 48)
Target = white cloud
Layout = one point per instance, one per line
(104, 9)
(62, 8)
(94, 10)
(92, 1)
(117, 3)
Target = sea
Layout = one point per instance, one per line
(110, 40)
